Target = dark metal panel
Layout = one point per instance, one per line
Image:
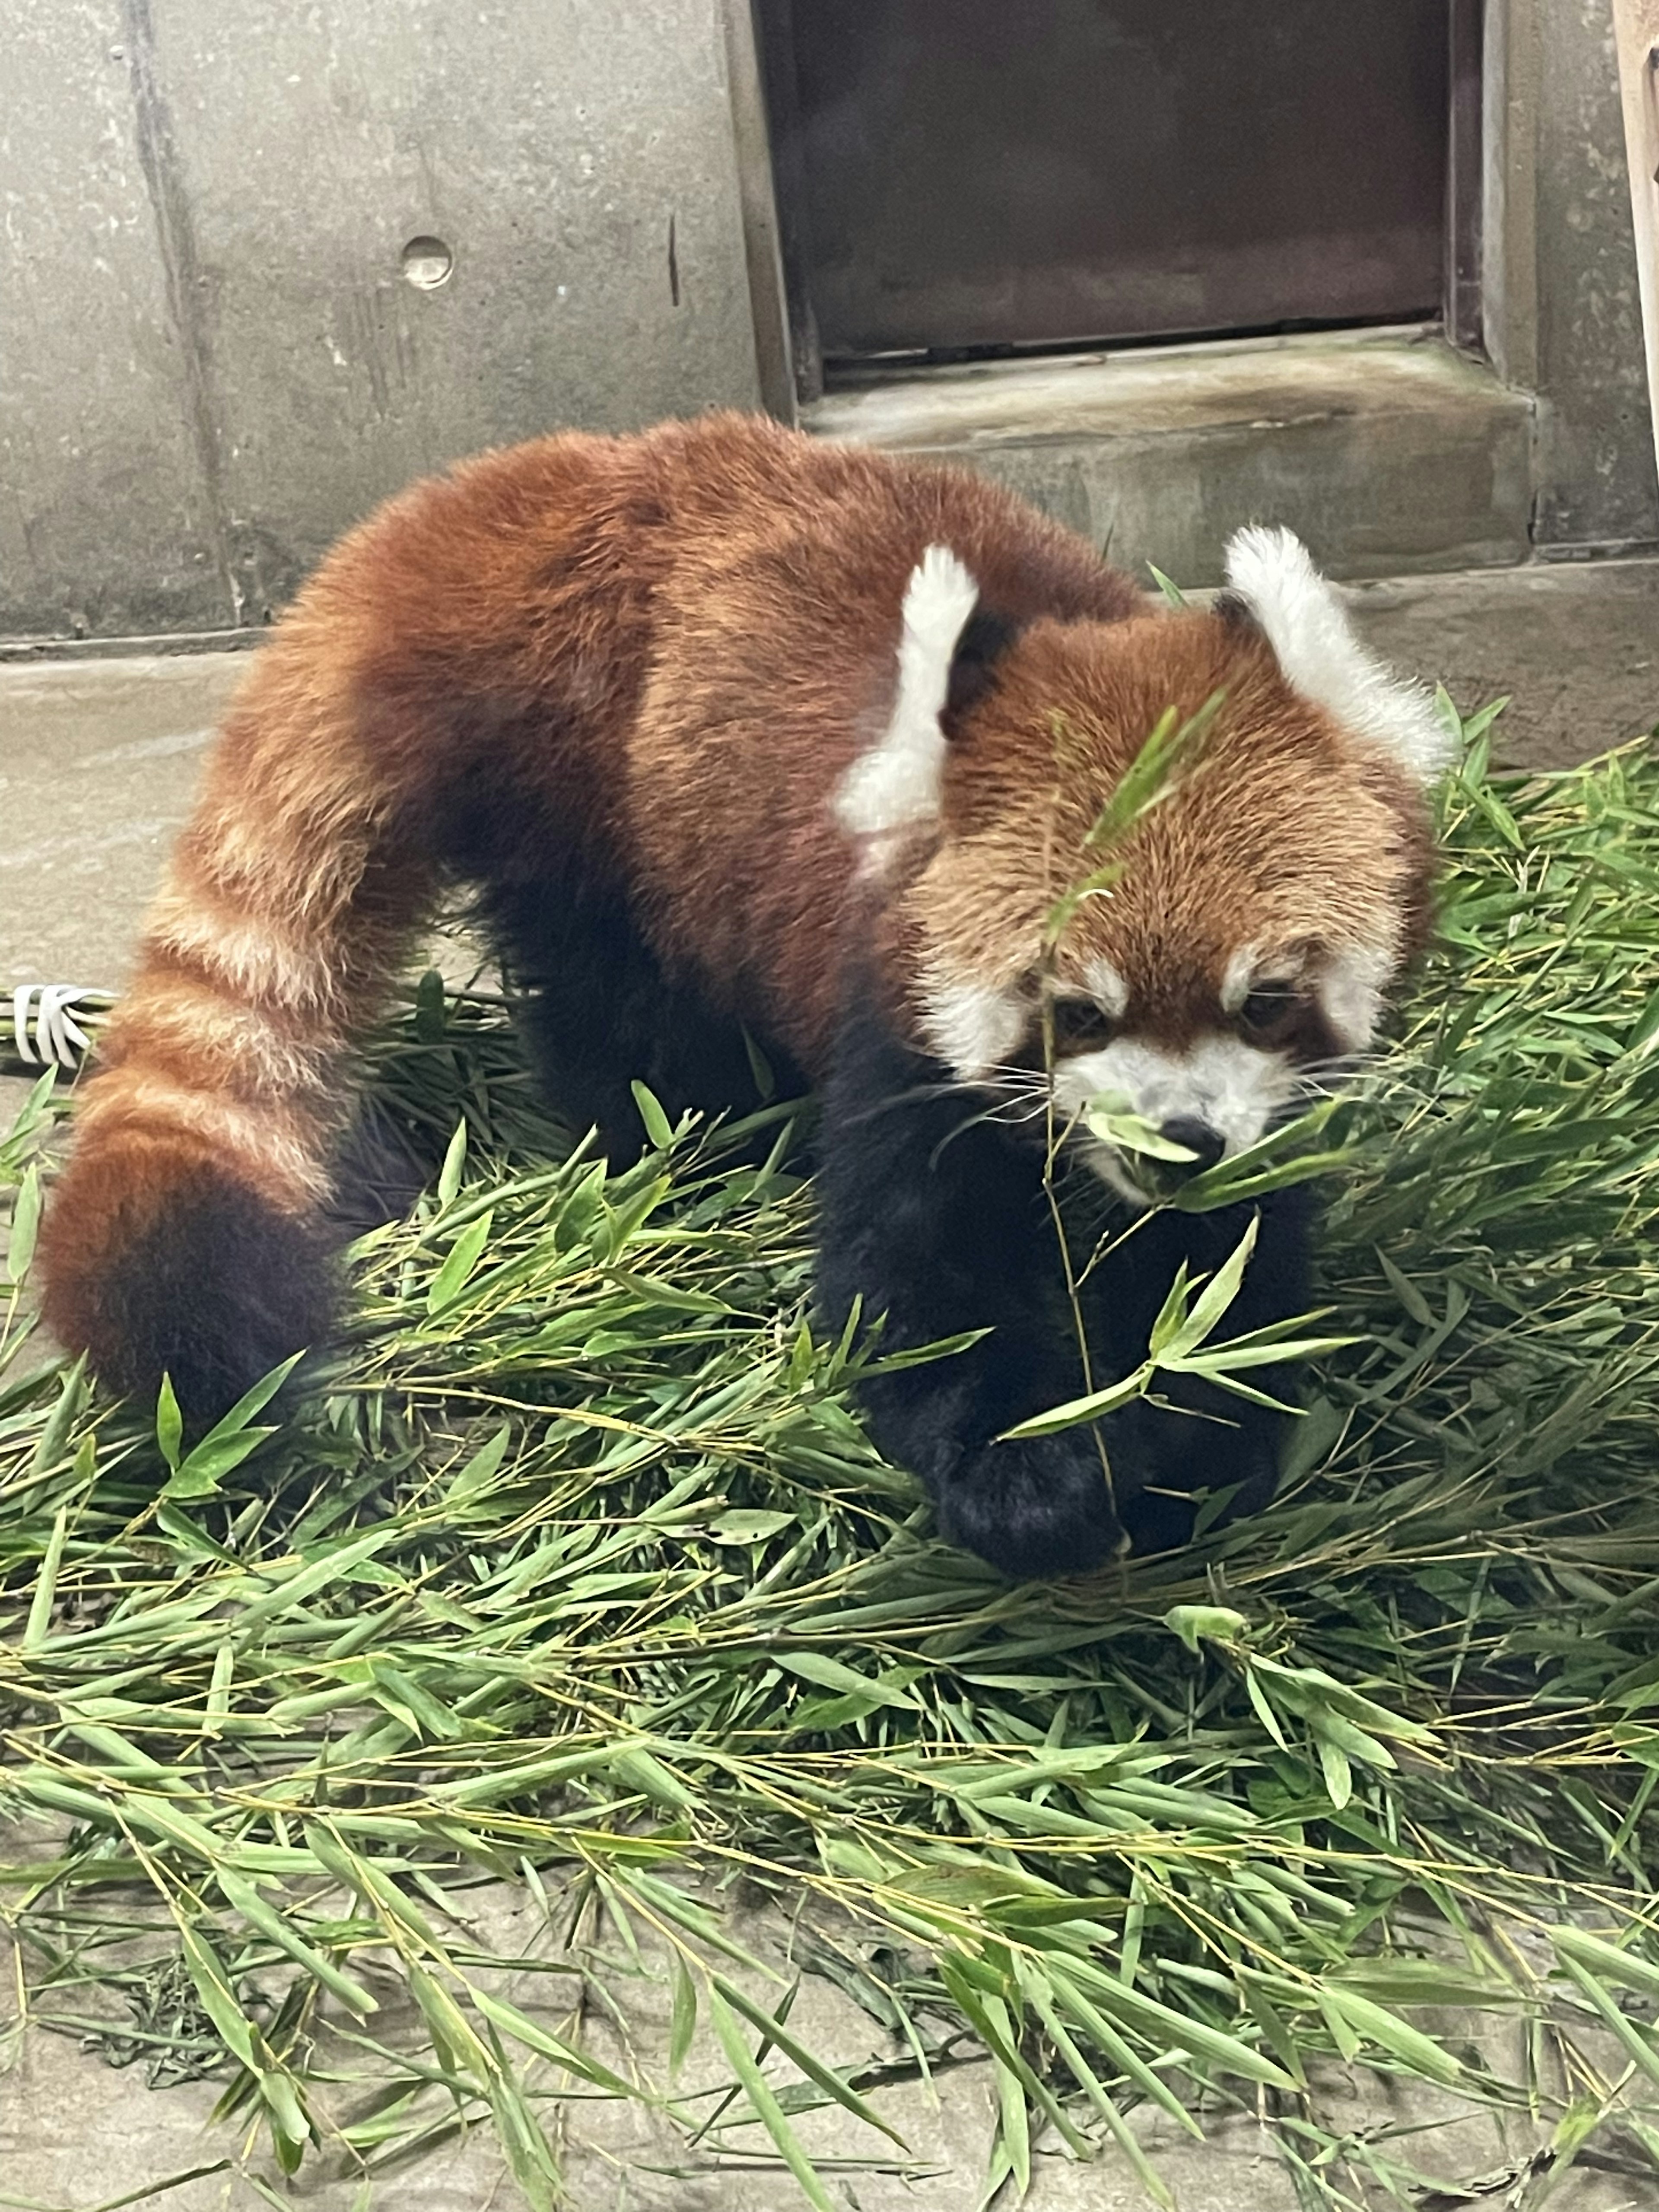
(780, 77)
(973, 174)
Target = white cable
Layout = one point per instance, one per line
(48, 1033)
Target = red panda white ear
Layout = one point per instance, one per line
(1308, 627)
(896, 785)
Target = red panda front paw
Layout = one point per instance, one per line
(1035, 1510)
(1166, 1463)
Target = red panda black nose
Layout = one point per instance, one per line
(1204, 1143)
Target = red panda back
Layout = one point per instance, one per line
(773, 667)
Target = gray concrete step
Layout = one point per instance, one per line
(1387, 451)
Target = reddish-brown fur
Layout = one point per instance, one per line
(658, 655)
(1284, 831)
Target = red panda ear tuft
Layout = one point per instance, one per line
(985, 638)
(1320, 656)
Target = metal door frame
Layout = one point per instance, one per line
(765, 102)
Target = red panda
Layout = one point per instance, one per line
(730, 728)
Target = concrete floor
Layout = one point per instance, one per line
(98, 762)
(1574, 646)
(98, 759)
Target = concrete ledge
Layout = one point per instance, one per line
(167, 644)
(1574, 646)
(1389, 453)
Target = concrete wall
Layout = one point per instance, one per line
(1563, 309)
(1596, 479)
(211, 357)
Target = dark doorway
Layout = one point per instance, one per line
(960, 176)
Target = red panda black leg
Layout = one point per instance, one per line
(598, 1014)
(1197, 1439)
(937, 1218)
(934, 1219)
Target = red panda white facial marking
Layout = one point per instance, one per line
(1351, 993)
(975, 1028)
(1107, 987)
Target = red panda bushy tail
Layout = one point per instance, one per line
(187, 1234)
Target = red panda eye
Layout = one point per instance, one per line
(1081, 1025)
(1269, 1012)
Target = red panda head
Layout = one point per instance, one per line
(1259, 911)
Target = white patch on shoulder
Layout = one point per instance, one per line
(1232, 1087)
(1349, 993)
(1308, 629)
(972, 1027)
(895, 786)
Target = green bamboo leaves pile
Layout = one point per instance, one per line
(577, 1576)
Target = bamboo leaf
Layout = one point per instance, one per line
(1416, 2051)
(767, 2108)
(683, 2024)
(1076, 1410)
(449, 1176)
(244, 1897)
(1128, 2142)
(542, 2040)
(1213, 1300)
(25, 1226)
(462, 1259)
(792, 2048)
(657, 1126)
(169, 1425)
(45, 1586)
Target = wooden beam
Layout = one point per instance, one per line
(1636, 24)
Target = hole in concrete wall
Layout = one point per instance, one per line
(426, 263)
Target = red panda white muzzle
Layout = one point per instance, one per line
(729, 728)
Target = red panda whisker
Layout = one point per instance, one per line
(1340, 1067)
(915, 1095)
(1015, 1115)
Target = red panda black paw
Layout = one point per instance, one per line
(1035, 1509)
(1042, 1509)
(1165, 1464)
(204, 1282)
